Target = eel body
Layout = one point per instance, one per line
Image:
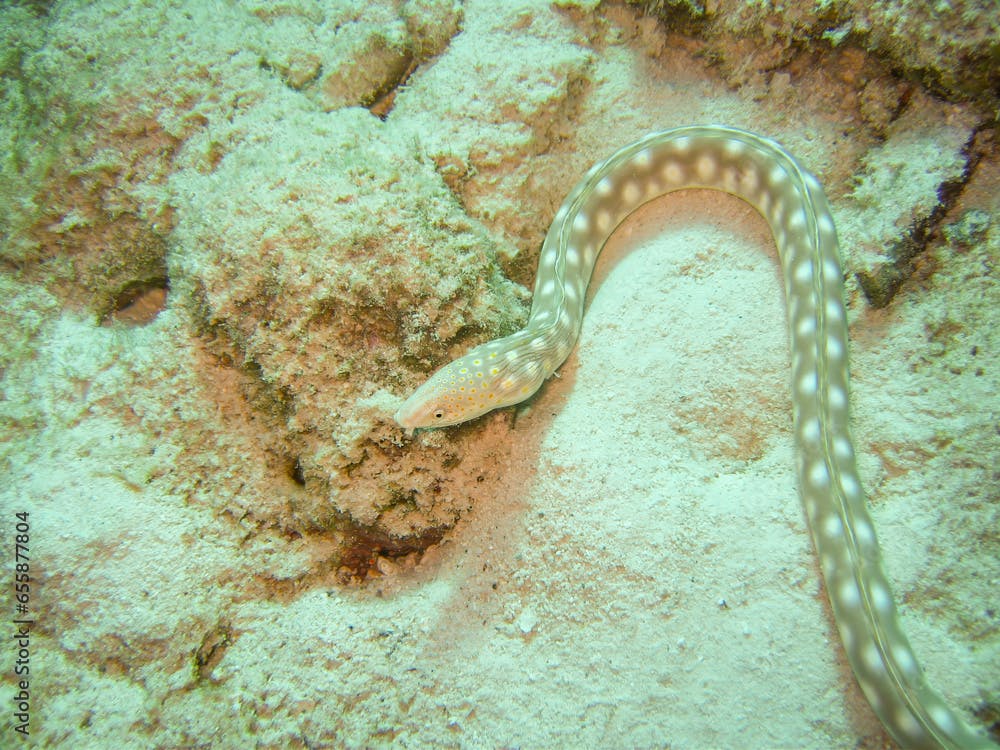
(758, 170)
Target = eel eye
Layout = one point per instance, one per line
(439, 414)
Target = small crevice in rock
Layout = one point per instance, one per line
(295, 472)
(383, 100)
(881, 283)
(213, 647)
(139, 303)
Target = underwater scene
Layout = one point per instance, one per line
(474, 374)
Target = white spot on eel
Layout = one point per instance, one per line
(773, 182)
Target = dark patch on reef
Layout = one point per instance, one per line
(881, 283)
(364, 546)
(212, 649)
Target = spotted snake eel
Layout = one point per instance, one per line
(758, 170)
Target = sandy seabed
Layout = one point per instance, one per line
(236, 235)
